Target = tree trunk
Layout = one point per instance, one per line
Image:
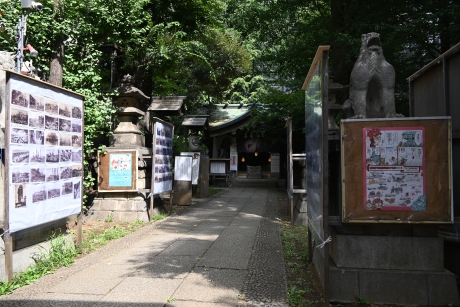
(56, 65)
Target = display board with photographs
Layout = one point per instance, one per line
(45, 156)
(162, 160)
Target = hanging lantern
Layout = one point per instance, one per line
(243, 159)
(256, 153)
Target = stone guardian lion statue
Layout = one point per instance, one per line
(372, 83)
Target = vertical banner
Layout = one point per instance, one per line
(275, 162)
(162, 157)
(45, 152)
(233, 158)
(195, 165)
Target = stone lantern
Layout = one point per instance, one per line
(127, 134)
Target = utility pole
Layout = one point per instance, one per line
(27, 6)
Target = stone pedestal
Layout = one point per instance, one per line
(126, 206)
(381, 268)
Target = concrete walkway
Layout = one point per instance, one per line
(221, 251)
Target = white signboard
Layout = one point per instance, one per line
(183, 168)
(217, 167)
(45, 153)
(162, 158)
(195, 165)
(275, 163)
(233, 158)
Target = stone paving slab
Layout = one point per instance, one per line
(154, 291)
(97, 279)
(187, 248)
(172, 267)
(212, 285)
(179, 303)
(64, 300)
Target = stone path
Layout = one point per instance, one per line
(222, 251)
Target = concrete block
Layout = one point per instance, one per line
(141, 173)
(343, 284)
(142, 216)
(387, 287)
(141, 183)
(442, 289)
(387, 230)
(425, 231)
(139, 205)
(387, 252)
(96, 204)
(108, 205)
(126, 216)
(124, 205)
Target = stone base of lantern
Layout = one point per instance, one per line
(126, 206)
(127, 140)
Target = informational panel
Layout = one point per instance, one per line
(117, 170)
(275, 162)
(397, 170)
(314, 135)
(233, 158)
(217, 168)
(183, 168)
(162, 178)
(44, 153)
(195, 165)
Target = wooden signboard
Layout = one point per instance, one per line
(117, 170)
(397, 170)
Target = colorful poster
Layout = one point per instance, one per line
(394, 166)
(45, 153)
(120, 170)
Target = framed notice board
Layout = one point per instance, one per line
(117, 170)
(162, 161)
(397, 170)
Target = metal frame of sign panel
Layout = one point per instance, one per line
(162, 157)
(106, 171)
(49, 185)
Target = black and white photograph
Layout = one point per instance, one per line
(20, 156)
(51, 138)
(77, 113)
(36, 120)
(52, 155)
(65, 125)
(77, 156)
(20, 117)
(54, 190)
(67, 188)
(36, 103)
(51, 106)
(65, 155)
(20, 175)
(76, 126)
(37, 155)
(38, 192)
(37, 175)
(77, 171)
(76, 190)
(19, 98)
(64, 109)
(65, 139)
(52, 174)
(51, 123)
(36, 137)
(20, 193)
(19, 136)
(76, 140)
(65, 172)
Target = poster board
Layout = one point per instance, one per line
(44, 152)
(218, 167)
(397, 170)
(195, 165)
(162, 178)
(275, 163)
(117, 170)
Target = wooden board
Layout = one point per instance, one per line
(104, 182)
(438, 177)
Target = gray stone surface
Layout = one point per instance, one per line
(387, 252)
(208, 254)
(344, 285)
